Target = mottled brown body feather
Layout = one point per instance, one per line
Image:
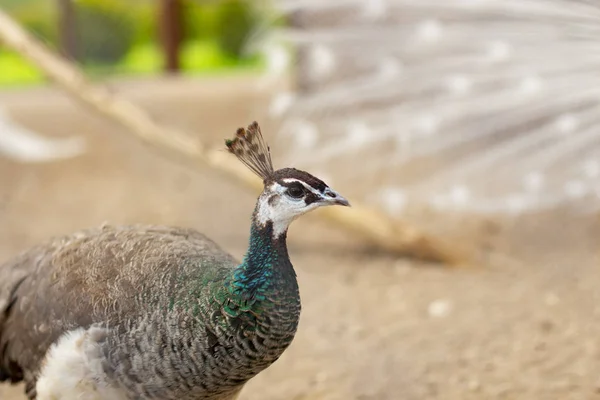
(92, 276)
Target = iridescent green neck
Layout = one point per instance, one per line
(265, 265)
(261, 293)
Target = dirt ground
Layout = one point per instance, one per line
(374, 326)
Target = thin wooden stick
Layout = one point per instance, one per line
(372, 225)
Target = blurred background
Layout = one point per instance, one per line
(475, 122)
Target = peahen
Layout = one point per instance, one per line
(156, 312)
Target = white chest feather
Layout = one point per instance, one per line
(72, 369)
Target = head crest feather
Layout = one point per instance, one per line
(250, 148)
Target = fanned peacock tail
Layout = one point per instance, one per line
(465, 105)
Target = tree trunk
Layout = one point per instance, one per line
(67, 26)
(171, 33)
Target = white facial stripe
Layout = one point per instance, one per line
(307, 186)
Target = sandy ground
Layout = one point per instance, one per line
(374, 326)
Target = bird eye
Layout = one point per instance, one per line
(295, 191)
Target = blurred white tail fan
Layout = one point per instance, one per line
(22, 145)
(480, 106)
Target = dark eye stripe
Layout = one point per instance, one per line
(310, 198)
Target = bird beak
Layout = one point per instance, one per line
(331, 197)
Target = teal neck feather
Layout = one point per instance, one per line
(265, 270)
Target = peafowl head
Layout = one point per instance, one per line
(288, 192)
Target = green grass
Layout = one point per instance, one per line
(17, 71)
(197, 58)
